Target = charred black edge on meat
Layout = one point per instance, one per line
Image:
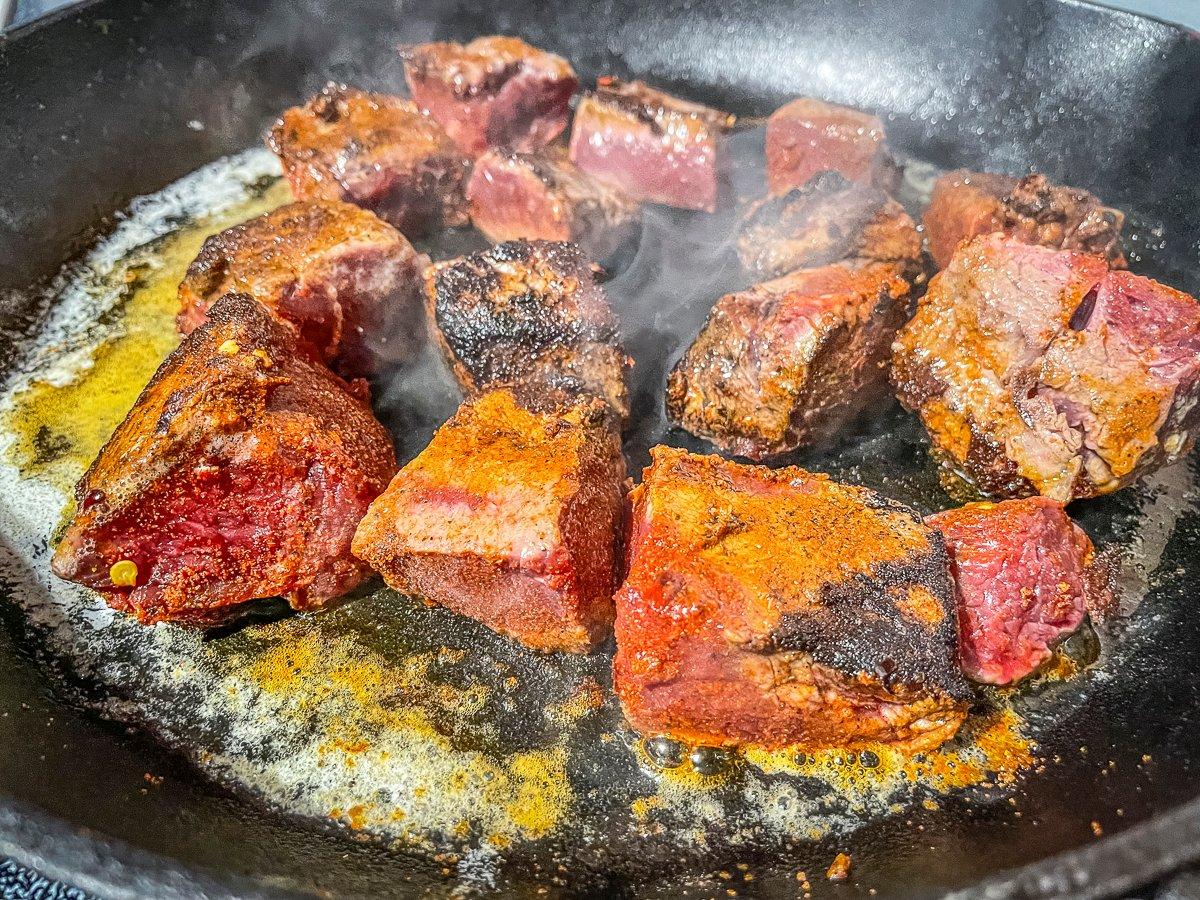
(857, 630)
(469, 318)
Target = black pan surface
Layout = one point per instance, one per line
(94, 111)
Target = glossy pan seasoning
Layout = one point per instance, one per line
(400, 749)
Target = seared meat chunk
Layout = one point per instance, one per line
(808, 136)
(651, 145)
(528, 313)
(1039, 371)
(509, 516)
(966, 204)
(1023, 572)
(790, 361)
(496, 91)
(780, 608)
(240, 473)
(375, 151)
(827, 220)
(349, 282)
(542, 196)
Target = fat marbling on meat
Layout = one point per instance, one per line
(240, 474)
(375, 151)
(1042, 371)
(348, 282)
(780, 608)
(509, 516)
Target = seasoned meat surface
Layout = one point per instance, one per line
(808, 136)
(375, 151)
(790, 362)
(346, 280)
(1023, 572)
(543, 196)
(528, 313)
(1032, 209)
(651, 145)
(240, 473)
(1040, 371)
(496, 91)
(826, 220)
(509, 516)
(777, 608)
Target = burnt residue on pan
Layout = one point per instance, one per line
(413, 727)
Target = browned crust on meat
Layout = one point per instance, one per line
(776, 607)
(1034, 210)
(656, 108)
(342, 276)
(376, 151)
(790, 362)
(528, 312)
(827, 220)
(233, 393)
(233, 389)
(481, 66)
(970, 463)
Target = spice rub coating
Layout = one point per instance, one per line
(509, 516)
(1042, 371)
(777, 608)
(240, 473)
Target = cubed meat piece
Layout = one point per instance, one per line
(967, 204)
(348, 282)
(528, 313)
(240, 474)
(496, 91)
(543, 196)
(509, 516)
(790, 362)
(779, 608)
(651, 145)
(808, 136)
(1040, 371)
(1023, 573)
(375, 151)
(827, 220)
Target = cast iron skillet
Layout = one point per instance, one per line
(93, 109)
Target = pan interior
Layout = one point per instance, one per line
(427, 732)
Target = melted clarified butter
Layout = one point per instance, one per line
(374, 720)
(60, 427)
(990, 751)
